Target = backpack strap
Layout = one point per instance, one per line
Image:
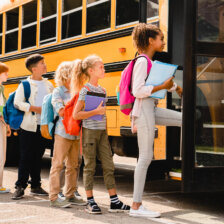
(27, 90)
(148, 60)
(85, 86)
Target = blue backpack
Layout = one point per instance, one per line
(13, 116)
(48, 118)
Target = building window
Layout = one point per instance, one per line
(98, 15)
(126, 14)
(12, 27)
(1, 34)
(48, 21)
(71, 18)
(29, 25)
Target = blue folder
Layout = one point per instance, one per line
(92, 101)
(159, 73)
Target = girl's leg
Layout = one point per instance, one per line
(62, 178)
(89, 155)
(168, 117)
(145, 133)
(104, 154)
(61, 148)
(2, 151)
(71, 164)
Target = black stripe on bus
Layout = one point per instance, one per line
(109, 67)
(75, 43)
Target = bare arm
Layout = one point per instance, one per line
(79, 114)
(166, 85)
(35, 109)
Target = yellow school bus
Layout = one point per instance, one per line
(64, 30)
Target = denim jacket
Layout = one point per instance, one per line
(58, 101)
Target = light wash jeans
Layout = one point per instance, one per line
(3, 140)
(149, 116)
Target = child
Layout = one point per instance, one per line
(4, 128)
(32, 144)
(66, 147)
(94, 140)
(148, 39)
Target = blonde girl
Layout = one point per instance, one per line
(95, 140)
(148, 39)
(66, 147)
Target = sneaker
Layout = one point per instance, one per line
(93, 209)
(4, 190)
(61, 196)
(59, 203)
(77, 195)
(18, 194)
(120, 207)
(75, 201)
(143, 212)
(38, 191)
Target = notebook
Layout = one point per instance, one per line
(159, 73)
(92, 101)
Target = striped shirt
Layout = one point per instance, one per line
(87, 123)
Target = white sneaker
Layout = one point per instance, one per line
(143, 212)
(61, 196)
(77, 195)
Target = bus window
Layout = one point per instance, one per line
(48, 21)
(152, 8)
(71, 18)
(0, 34)
(12, 27)
(210, 21)
(98, 15)
(127, 11)
(29, 25)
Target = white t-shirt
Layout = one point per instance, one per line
(41, 93)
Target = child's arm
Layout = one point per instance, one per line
(79, 114)
(57, 102)
(166, 85)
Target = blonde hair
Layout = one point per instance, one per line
(80, 73)
(64, 73)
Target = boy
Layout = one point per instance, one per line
(32, 144)
(4, 128)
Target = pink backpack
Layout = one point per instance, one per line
(125, 97)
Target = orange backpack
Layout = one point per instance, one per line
(72, 126)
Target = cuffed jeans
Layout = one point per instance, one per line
(2, 150)
(145, 123)
(67, 151)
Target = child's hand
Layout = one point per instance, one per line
(61, 112)
(101, 109)
(168, 84)
(179, 91)
(8, 131)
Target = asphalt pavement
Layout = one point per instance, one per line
(163, 196)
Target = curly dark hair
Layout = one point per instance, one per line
(141, 34)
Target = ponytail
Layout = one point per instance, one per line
(80, 73)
